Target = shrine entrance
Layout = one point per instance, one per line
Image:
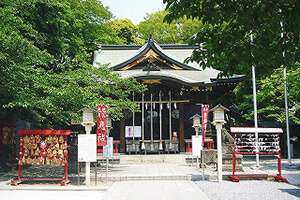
(162, 125)
(175, 91)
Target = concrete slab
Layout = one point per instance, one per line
(293, 179)
(150, 190)
(5, 186)
(147, 171)
(249, 190)
(50, 195)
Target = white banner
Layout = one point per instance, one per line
(129, 131)
(87, 148)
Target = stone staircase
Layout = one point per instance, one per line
(153, 158)
(149, 167)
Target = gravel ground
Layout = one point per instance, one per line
(246, 190)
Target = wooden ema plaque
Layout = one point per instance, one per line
(245, 143)
(40, 148)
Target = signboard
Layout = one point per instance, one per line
(108, 149)
(129, 131)
(196, 145)
(204, 114)
(102, 125)
(87, 149)
(245, 141)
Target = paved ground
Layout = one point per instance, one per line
(155, 169)
(50, 195)
(150, 190)
(167, 189)
(249, 190)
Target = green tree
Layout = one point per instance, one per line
(271, 97)
(45, 51)
(226, 46)
(179, 31)
(126, 31)
(227, 28)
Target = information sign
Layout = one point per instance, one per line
(129, 131)
(108, 149)
(196, 145)
(87, 148)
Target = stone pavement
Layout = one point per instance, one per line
(150, 190)
(152, 181)
(249, 190)
(155, 171)
(51, 195)
(165, 190)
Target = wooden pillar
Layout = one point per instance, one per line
(122, 136)
(181, 127)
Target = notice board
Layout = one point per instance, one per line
(87, 148)
(196, 145)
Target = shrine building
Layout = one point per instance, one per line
(176, 89)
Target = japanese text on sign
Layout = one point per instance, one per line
(102, 125)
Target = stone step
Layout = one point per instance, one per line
(144, 159)
(229, 156)
(253, 177)
(238, 161)
(144, 178)
(226, 167)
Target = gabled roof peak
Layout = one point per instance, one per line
(151, 46)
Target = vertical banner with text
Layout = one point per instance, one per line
(101, 125)
(204, 114)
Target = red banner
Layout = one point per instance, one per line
(204, 111)
(102, 125)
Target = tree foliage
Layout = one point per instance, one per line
(226, 46)
(179, 31)
(126, 31)
(45, 51)
(227, 28)
(271, 97)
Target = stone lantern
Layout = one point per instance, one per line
(88, 119)
(88, 123)
(196, 123)
(219, 121)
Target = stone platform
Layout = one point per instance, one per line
(148, 171)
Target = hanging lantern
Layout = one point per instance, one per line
(146, 106)
(161, 106)
(168, 105)
(153, 105)
(175, 106)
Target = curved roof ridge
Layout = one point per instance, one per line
(152, 44)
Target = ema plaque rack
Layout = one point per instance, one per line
(41, 148)
(245, 143)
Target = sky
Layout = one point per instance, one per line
(135, 10)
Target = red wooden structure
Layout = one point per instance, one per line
(245, 144)
(42, 147)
